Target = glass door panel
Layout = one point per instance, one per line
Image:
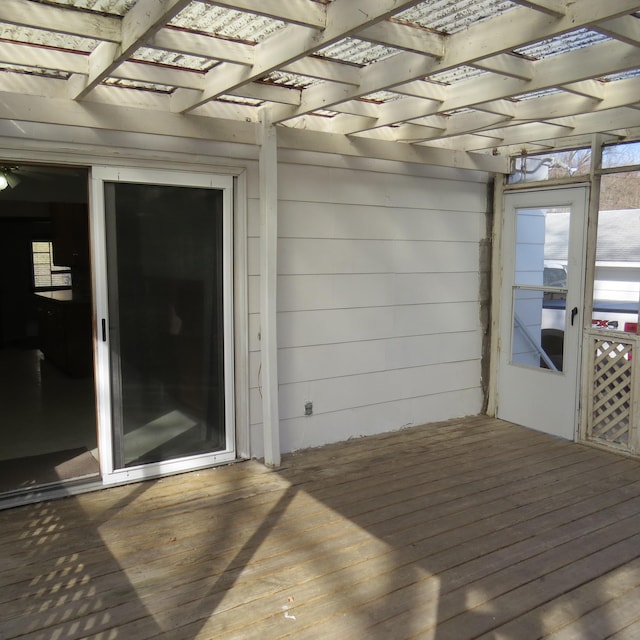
(540, 287)
(168, 325)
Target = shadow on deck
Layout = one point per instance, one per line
(464, 529)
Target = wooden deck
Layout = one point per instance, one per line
(467, 529)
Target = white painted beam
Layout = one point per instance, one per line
(367, 148)
(459, 124)
(422, 89)
(586, 88)
(158, 74)
(268, 170)
(325, 69)
(141, 22)
(344, 18)
(303, 12)
(620, 93)
(508, 65)
(587, 124)
(61, 20)
(268, 93)
(485, 39)
(101, 116)
(43, 58)
(598, 60)
(626, 29)
(205, 46)
(557, 8)
(98, 117)
(406, 37)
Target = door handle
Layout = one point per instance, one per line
(104, 329)
(574, 313)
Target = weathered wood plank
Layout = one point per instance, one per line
(456, 529)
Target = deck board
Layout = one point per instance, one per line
(464, 529)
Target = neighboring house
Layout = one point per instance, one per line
(616, 286)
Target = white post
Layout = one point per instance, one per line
(268, 289)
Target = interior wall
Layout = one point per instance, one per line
(378, 302)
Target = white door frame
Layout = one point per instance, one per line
(100, 174)
(533, 397)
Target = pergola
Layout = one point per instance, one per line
(463, 83)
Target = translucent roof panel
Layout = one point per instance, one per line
(562, 44)
(456, 75)
(356, 51)
(537, 94)
(382, 96)
(116, 7)
(451, 16)
(227, 23)
(35, 71)
(136, 84)
(292, 80)
(172, 59)
(250, 102)
(47, 38)
(623, 75)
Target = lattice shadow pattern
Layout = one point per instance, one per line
(611, 410)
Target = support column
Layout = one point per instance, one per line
(268, 164)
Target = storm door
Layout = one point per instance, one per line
(541, 315)
(165, 321)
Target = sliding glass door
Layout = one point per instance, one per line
(165, 321)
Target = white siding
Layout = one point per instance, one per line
(378, 302)
(378, 318)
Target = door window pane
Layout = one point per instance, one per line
(540, 287)
(165, 261)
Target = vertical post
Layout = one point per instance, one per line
(268, 169)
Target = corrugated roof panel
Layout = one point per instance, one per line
(562, 44)
(292, 80)
(624, 75)
(47, 38)
(116, 7)
(382, 96)
(35, 71)
(450, 16)
(137, 84)
(536, 94)
(250, 102)
(456, 75)
(174, 59)
(356, 51)
(228, 23)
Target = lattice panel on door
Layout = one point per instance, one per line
(610, 420)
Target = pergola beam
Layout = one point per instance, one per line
(599, 60)
(306, 13)
(344, 18)
(557, 8)
(61, 20)
(489, 38)
(142, 21)
(406, 37)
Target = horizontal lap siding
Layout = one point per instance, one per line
(378, 312)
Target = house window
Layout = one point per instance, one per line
(552, 165)
(46, 275)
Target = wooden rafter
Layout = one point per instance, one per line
(367, 103)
